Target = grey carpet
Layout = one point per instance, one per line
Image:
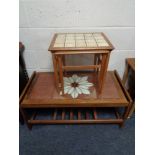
(78, 139)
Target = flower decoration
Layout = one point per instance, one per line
(76, 85)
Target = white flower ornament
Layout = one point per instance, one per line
(76, 85)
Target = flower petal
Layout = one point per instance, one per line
(71, 79)
(67, 84)
(83, 78)
(85, 91)
(71, 90)
(74, 93)
(66, 89)
(66, 79)
(78, 90)
(74, 77)
(88, 84)
(78, 79)
(83, 87)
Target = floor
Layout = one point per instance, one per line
(98, 139)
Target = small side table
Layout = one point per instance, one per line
(64, 44)
(129, 80)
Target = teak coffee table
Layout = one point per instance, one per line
(41, 93)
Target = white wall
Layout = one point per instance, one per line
(40, 19)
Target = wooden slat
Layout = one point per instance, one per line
(55, 114)
(116, 113)
(95, 114)
(123, 88)
(34, 115)
(79, 114)
(72, 51)
(108, 121)
(63, 114)
(61, 73)
(87, 115)
(55, 65)
(71, 114)
(81, 67)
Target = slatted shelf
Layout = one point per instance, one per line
(75, 116)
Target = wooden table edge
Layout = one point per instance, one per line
(31, 103)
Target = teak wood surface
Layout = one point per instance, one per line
(41, 93)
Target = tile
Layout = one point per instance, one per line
(81, 44)
(58, 45)
(70, 45)
(102, 44)
(91, 44)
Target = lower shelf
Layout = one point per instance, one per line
(75, 116)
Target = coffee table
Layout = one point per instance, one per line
(41, 93)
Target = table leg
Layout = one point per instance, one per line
(64, 63)
(61, 74)
(55, 71)
(95, 61)
(131, 110)
(103, 70)
(125, 115)
(25, 117)
(126, 72)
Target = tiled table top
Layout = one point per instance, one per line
(80, 40)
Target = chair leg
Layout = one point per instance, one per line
(21, 120)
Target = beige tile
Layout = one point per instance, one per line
(81, 44)
(79, 35)
(58, 45)
(59, 41)
(103, 44)
(79, 38)
(88, 35)
(91, 44)
(80, 41)
(70, 35)
(70, 45)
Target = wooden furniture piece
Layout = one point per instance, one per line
(129, 81)
(23, 76)
(41, 94)
(64, 44)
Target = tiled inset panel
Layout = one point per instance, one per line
(80, 40)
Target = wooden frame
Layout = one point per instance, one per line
(101, 59)
(130, 65)
(63, 103)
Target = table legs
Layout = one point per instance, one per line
(103, 70)
(25, 117)
(61, 74)
(55, 65)
(101, 60)
(126, 72)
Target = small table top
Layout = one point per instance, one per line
(80, 41)
(42, 93)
